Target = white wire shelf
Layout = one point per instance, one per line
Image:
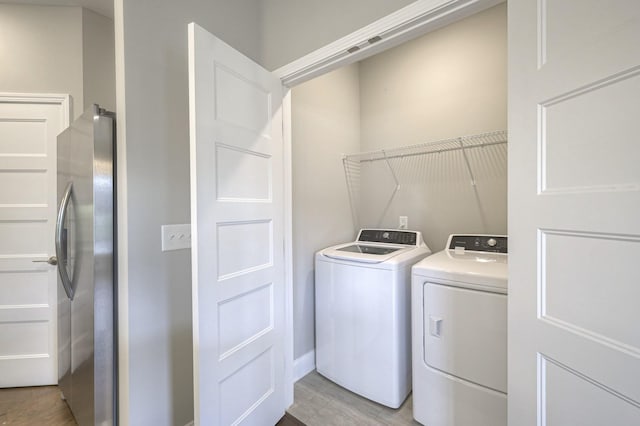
(392, 158)
(435, 147)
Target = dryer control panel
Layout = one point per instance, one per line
(486, 243)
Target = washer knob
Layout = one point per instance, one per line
(491, 242)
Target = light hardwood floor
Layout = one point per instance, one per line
(317, 402)
(34, 406)
(320, 402)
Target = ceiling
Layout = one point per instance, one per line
(103, 7)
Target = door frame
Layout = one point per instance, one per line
(64, 101)
(409, 22)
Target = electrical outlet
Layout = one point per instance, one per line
(176, 237)
(403, 222)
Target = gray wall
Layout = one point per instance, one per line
(448, 83)
(66, 50)
(156, 130)
(157, 155)
(41, 51)
(325, 125)
(293, 28)
(157, 148)
(98, 60)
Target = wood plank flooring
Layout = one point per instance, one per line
(289, 420)
(317, 402)
(320, 402)
(40, 405)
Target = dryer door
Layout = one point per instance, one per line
(466, 334)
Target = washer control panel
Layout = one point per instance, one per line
(486, 243)
(389, 236)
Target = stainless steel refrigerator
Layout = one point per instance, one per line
(85, 251)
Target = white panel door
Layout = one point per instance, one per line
(28, 293)
(238, 242)
(574, 212)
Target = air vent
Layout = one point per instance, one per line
(374, 39)
(353, 49)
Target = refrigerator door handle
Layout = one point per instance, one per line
(61, 254)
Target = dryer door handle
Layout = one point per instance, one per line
(435, 326)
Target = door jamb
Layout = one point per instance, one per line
(416, 19)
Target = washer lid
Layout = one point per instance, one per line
(362, 248)
(364, 253)
(466, 269)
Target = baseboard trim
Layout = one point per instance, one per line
(304, 365)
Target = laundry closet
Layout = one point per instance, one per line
(445, 85)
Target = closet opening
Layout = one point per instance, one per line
(363, 157)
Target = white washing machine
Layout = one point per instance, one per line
(459, 319)
(363, 290)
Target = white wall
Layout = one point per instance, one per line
(154, 137)
(41, 51)
(448, 83)
(325, 125)
(98, 60)
(293, 28)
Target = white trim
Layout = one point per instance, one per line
(289, 364)
(409, 22)
(122, 221)
(304, 365)
(42, 98)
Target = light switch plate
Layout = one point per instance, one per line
(176, 237)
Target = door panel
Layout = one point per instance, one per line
(28, 129)
(237, 232)
(564, 392)
(595, 292)
(574, 203)
(23, 137)
(568, 142)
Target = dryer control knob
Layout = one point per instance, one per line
(491, 242)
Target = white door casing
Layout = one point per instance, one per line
(574, 213)
(237, 216)
(29, 125)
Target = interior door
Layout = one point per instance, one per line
(574, 212)
(28, 296)
(237, 235)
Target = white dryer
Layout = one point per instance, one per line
(363, 290)
(459, 319)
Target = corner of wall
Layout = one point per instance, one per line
(304, 365)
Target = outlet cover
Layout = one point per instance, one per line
(176, 237)
(403, 222)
